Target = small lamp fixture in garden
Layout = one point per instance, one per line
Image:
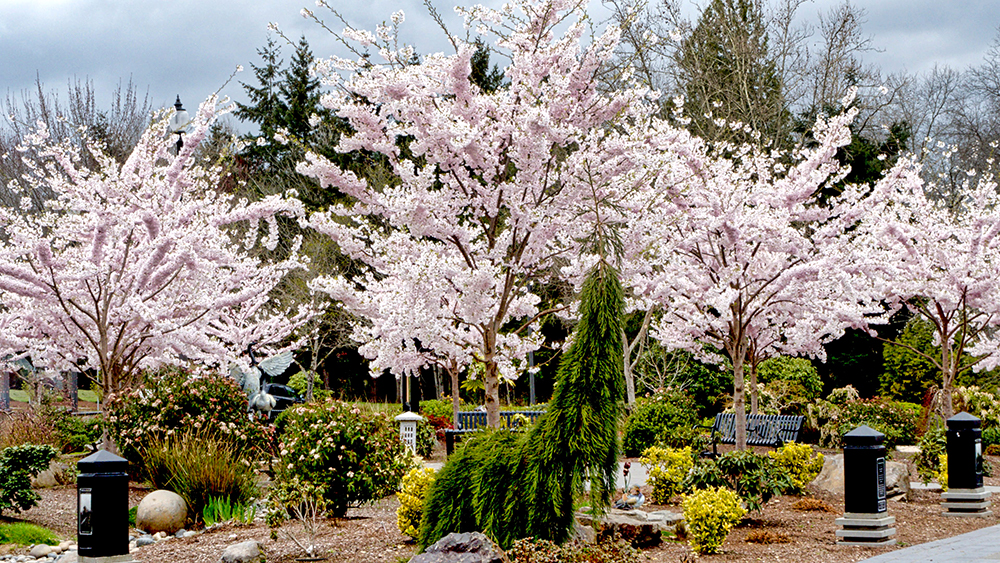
(965, 495)
(102, 509)
(865, 521)
(179, 123)
(408, 429)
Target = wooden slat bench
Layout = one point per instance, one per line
(762, 430)
(470, 421)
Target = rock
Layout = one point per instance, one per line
(831, 477)
(40, 550)
(582, 534)
(246, 552)
(631, 527)
(897, 481)
(144, 540)
(471, 547)
(57, 474)
(69, 557)
(180, 533)
(190, 534)
(65, 545)
(161, 511)
(160, 536)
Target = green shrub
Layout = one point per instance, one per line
(411, 499)
(220, 509)
(843, 395)
(440, 408)
(709, 514)
(942, 475)
(176, 401)
(300, 384)
(357, 457)
(200, 465)
(932, 445)
(756, 478)
(608, 550)
(896, 419)
(18, 464)
(793, 370)
(800, 462)
(23, 533)
(983, 405)
(991, 436)
(75, 433)
(665, 418)
(667, 468)
(426, 438)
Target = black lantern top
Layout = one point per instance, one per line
(963, 421)
(864, 436)
(102, 461)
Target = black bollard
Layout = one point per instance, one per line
(865, 521)
(102, 508)
(966, 495)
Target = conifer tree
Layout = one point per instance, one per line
(265, 107)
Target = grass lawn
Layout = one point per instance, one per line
(83, 395)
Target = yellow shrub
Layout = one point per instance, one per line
(667, 468)
(943, 471)
(800, 462)
(411, 499)
(709, 514)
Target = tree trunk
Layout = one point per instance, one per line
(739, 402)
(754, 393)
(491, 380)
(453, 372)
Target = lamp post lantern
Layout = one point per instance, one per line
(179, 122)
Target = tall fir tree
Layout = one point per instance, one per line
(265, 108)
(300, 92)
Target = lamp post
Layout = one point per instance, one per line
(179, 122)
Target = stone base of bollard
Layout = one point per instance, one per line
(967, 503)
(127, 558)
(872, 530)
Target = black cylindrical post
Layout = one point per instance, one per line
(864, 471)
(102, 505)
(965, 452)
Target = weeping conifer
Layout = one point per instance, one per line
(512, 486)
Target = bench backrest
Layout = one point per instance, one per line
(467, 420)
(762, 429)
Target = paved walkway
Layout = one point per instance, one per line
(981, 546)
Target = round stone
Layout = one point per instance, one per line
(161, 511)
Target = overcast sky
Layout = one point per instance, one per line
(190, 47)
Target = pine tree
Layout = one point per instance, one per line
(300, 92)
(265, 108)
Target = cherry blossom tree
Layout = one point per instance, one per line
(936, 258)
(741, 268)
(491, 191)
(137, 264)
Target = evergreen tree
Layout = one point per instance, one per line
(728, 73)
(265, 108)
(300, 92)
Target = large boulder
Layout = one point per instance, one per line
(897, 481)
(161, 511)
(471, 547)
(245, 552)
(831, 477)
(57, 474)
(641, 529)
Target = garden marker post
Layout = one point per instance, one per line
(966, 495)
(865, 520)
(408, 429)
(102, 509)
(4, 390)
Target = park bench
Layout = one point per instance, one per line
(762, 430)
(470, 421)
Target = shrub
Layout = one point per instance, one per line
(303, 500)
(942, 475)
(73, 433)
(23, 533)
(896, 419)
(411, 499)
(357, 457)
(426, 438)
(800, 462)
(666, 418)
(756, 478)
(991, 436)
(843, 395)
(793, 370)
(176, 401)
(608, 550)
(667, 469)
(200, 465)
(709, 514)
(981, 404)
(439, 408)
(220, 509)
(21, 427)
(932, 445)
(18, 464)
(300, 384)
(993, 449)
(439, 424)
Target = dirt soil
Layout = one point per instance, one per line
(369, 534)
